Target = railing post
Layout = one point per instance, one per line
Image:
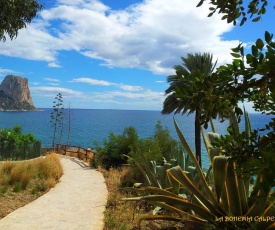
(78, 152)
(86, 154)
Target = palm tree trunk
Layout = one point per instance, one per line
(198, 136)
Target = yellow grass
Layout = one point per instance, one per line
(119, 214)
(29, 173)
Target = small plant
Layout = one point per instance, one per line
(41, 186)
(4, 189)
(34, 191)
(17, 187)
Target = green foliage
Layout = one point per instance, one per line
(153, 165)
(15, 145)
(253, 76)
(250, 77)
(111, 154)
(141, 151)
(191, 90)
(4, 189)
(232, 10)
(15, 14)
(210, 204)
(17, 187)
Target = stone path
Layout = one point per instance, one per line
(76, 203)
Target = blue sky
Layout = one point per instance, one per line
(117, 54)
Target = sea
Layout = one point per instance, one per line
(90, 125)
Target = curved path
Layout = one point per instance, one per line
(77, 202)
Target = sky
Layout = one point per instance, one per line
(117, 54)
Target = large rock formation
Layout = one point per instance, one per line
(15, 94)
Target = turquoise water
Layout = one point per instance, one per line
(89, 125)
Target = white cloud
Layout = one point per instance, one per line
(53, 91)
(129, 87)
(5, 72)
(146, 99)
(35, 83)
(151, 35)
(51, 79)
(92, 81)
(54, 65)
(54, 84)
(32, 44)
(95, 82)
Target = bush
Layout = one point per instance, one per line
(15, 145)
(114, 150)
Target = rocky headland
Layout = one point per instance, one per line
(15, 94)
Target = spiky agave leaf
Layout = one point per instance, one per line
(176, 174)
(220, 165)
(189, 151)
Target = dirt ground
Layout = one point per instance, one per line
(11, 201)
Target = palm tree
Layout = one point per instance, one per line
(188, 90)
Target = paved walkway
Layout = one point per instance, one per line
(76, 203)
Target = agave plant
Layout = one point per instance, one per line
(225, 204)
(155, 175)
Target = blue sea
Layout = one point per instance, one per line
(89, 125)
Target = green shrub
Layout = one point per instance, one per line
(15, 145)
(4, 189)
(17, 187)
(111, 154)
(115, 149)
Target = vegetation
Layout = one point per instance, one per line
(57, 116)
(15, 145)
(236, 158)
(250, 76)
(38, 174)
(209, 204)
(31, 178)
(188, 88)
(15, 15)
(242, 163)
(118, 215)
(234, 10)
(121, 214)
(115, 150)
(69, 124)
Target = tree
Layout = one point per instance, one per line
(15, 15)
(61, 124)
(69, 124)
(187, 91)
(232, 10)
(56, 115)
(250, 77)
(254, 80)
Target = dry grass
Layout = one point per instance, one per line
(22, 182)
(122, 215)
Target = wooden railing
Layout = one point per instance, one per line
(75, 151)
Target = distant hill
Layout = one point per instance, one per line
(15, 94)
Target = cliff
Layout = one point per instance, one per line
(15, 94)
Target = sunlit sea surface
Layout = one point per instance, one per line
(89, 125)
